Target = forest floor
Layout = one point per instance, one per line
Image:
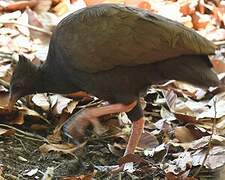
(184, 135)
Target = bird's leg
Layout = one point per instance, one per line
(76, 125)
(137, 129)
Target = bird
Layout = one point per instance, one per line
(115, 52)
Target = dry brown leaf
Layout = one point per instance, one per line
(200, 143)
(39, 127)
(4, 100)
(7, 132)
(218, 65)
(148, 140)
(185, 8)
(187, 119)
(56, 136)
(19, 119)
(29, 112)
(21, 5)
(171, 176)
(116, 149)
(184, 134)
(63, 148)
(200, 21)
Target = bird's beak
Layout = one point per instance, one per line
(12, 101)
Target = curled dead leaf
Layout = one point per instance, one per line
(184, 134)
(7, 132)
(63, 148)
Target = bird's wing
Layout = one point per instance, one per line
(101, 37)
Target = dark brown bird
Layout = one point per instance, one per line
(115, 52)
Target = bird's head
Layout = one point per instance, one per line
(22, 81)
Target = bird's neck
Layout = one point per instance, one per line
(52, 79)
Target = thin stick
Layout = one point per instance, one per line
(4, 83)
(30, 138)
(30, 135)
(90, 104)
(28, 26)
(5, 55)
(218, 43)
(21, 142)
(210, 141)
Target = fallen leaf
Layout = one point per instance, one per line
(49, 173)
(10, 16)
(7, 132)
(31, 172)
(148, 140)
(42, 101)
(200, 21)
(182, 163)
(20, 158)
(71, 106)
(63, 148)
(23, 19)
(62, 103)
(183, 134)
(215, 158)
(116, 149)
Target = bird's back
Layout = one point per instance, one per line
(102, 37)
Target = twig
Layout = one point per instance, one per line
(27, 25)
(210, 141)
(21, 142)
(30, 138)
(218, 43)
(90, 104)
(5, 55)
(21, 5)
(4, 83)
(26, 134)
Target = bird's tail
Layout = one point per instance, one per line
(193, 69)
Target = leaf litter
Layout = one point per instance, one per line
(178, 137)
